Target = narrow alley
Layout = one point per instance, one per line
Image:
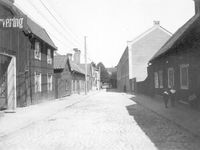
(104, 121)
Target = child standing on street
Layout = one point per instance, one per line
(166, 98)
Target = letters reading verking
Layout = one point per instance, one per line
(12, 23)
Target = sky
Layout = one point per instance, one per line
(107, 24)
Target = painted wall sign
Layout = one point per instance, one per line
(12, 23)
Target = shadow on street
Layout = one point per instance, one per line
(162, 132)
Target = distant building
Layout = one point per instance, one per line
(70, 75)
(176, 64)
(62, 75)
(26, 59)
(132, 66)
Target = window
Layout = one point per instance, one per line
(160, 78)
(170, 77)
(72, 88)
(75, 86)
(184, 82)
(156, 80)
(38, 81)
(49, 82)
(49, 59)
(66, 85)
(37, 51)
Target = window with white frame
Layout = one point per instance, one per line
(49, 82)
(184, 82)
(37, 50)
(160, 74)
(170, 77)
(156, 80)
(49, 59)
(38, 82)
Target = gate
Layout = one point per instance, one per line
(3, 91)
(4, 62)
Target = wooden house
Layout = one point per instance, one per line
(62, 76)
(69, 74)
(26, 59)
(177, 65)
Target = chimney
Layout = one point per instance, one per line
(69, 56)
(77, 54)
(156, 23)
(197, 6)
(12, 1)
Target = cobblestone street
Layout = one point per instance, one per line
(105, 121)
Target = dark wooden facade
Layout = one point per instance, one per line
(180, 54)
(69, 77)
(20, 44)
(63, 78)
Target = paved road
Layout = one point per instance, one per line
(106, 121)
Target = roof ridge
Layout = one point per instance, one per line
(167, 46)
(141, 35)
(166, 30)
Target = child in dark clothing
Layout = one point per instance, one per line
(166, 98)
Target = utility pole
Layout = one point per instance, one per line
(99, 77)
(85, 47)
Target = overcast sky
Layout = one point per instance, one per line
(108, 24)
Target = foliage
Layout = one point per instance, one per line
(104, 74)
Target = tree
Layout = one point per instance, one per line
(104, 74)
(93, 64)
(113, 79)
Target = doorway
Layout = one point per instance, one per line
(4, 62)
(7, 82)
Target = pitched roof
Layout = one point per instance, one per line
(40, 32)
(32, 26)
(149, 31)
(60, 61)
(76, 67)
(176, 37)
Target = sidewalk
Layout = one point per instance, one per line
(12, 122)
(183, 116)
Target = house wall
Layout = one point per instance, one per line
(123, 84)
(143, 50)
(44, 68)
(187, 53)
(63, 80)
(78, 83)
(16, 42)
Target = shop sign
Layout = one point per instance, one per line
(12, 23)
